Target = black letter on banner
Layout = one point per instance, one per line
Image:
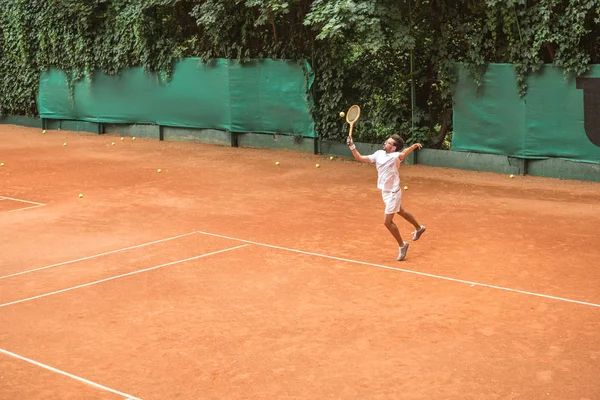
(591, 107)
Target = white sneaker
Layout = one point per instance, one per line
(402, 251)
(417, 234)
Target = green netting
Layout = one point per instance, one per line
(266, 96)
(547, 122)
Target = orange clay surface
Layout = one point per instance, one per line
(228, 277)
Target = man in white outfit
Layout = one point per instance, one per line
(387, 162)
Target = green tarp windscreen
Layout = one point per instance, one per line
(547, 122)
(265, 96)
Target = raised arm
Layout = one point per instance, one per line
(409, 150)
(355, 152)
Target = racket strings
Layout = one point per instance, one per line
(353, 114)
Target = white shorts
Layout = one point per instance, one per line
(392, 201)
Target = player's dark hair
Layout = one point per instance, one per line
(398, 141)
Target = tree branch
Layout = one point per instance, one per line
(274, 30)
(444, 128)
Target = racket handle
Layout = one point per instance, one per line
(351, 126)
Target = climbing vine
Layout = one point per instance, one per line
(396, 58)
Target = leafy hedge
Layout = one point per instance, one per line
(362, 51)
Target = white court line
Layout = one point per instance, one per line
(27, 208)
(36, 204)
(121, 276)
(408, 271)
(58, 371)
(96, 255)
(22, 201)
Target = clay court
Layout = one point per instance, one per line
(225, 276)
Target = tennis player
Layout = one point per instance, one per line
(387, 162)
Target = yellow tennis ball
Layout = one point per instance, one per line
(405, 187)
(1, 164)
(122, 138)
(276, 162)
(159, 170)
(80, 195)
(133, 138)
(512, 176)
(317, 165)
(331, 157)
(64, 144)
(44, 131)
(342, 114)
(112, 144)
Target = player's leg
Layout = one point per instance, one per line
(392, 206)
(388, 221)
(410, 218)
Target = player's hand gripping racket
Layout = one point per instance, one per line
(352, 117)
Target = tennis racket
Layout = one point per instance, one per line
(352, 116)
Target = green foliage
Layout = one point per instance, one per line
(81, 36)
(529, 34)
(393, 57)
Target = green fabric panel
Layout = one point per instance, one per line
(271, 96)
(547, 122)
(95, 101)
(266, 96)
(53, 97)
(555, 117)
(198, 95)
(491, 120)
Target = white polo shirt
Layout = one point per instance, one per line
(388, 178)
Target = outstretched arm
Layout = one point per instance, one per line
(409, 150)
(355, 152)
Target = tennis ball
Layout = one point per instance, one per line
(1, 164)
(405, 187)
(512, 176)
(159, 170)
(64, 144)
(112, 144)
(276, 162)
(122, 138)
(342, 115)
(317, 165)
(133, 138)
(331, 158)
(44, 131)
(80, 195)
